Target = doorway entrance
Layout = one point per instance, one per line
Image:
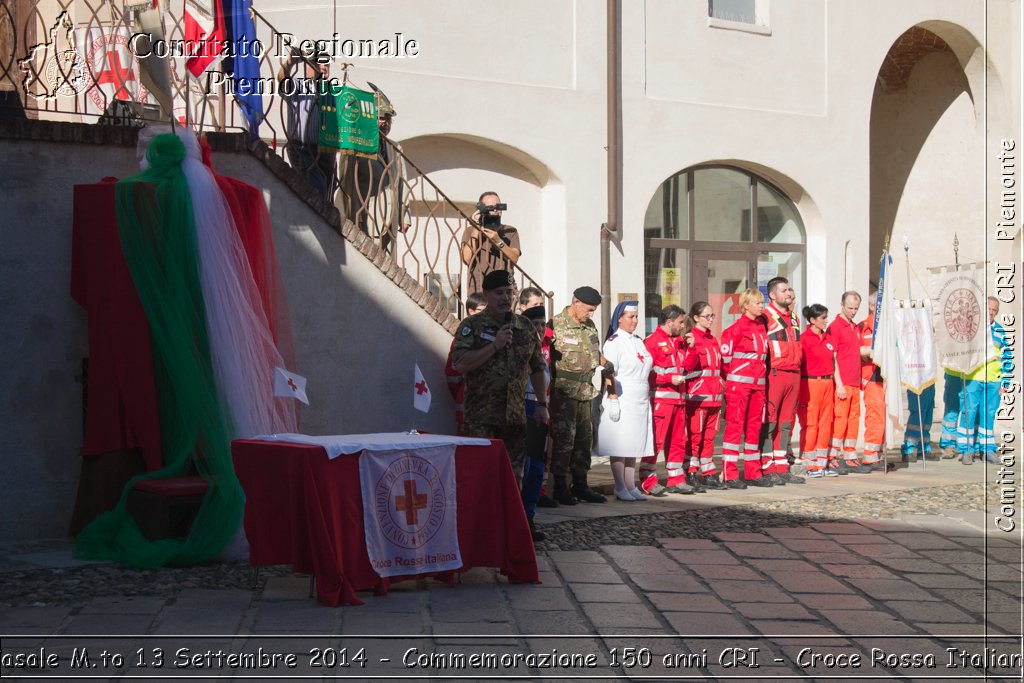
(713, 231)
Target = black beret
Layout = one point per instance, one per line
(535, 312)
(498, 278)
(588, 295)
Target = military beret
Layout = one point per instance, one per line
(498, 278)
(588, 295)
(535, 313)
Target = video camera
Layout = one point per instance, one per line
(490, 216)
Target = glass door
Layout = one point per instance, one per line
(719, 278)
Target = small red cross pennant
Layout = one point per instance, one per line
(290, 384)
(420, 391)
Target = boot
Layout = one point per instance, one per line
(713, 482)
(586, 494)
(737, 484)
(562, 493)
(546, 502)
(537, 536)
(774, 478)
(696, 482)
(760, 482)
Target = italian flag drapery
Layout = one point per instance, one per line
(215, 334)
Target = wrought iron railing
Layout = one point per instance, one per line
(45, 75)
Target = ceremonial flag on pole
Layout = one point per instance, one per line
(244, 63)
(885, 353)
(420, 392)
(289, 384)
(204, 35)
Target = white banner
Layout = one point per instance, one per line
(111, 68)
(960, 311)
(913, 321)
(409, 513)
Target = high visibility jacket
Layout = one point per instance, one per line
(869, 372)
(783, 339)
(703, 365)
(668, 361)
(745, 352)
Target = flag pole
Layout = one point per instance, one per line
(917, 396)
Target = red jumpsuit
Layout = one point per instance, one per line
(744, 356)
(667, 409)
(703, 365)
(457, 387)
(783, 387)
(874, 398)
(845, 337)
(817, 396)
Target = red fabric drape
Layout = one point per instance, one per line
(122, 410)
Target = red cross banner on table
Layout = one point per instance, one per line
(420, 392)
(289, 384)
(409, 512)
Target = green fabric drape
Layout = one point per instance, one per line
(157, 227)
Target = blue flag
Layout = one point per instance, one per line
(244, 62)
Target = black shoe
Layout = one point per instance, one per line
(682, 489)
(842, 468)
(713, 482)
(658, 491)
(546, 502)
(734, 484)
(563, 495)
(537, 536)
(760, 482)
(586, 494)
(791, 478)
(775, 479)
(860, 469)
(696, 482)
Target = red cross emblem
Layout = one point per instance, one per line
(421, 387)
(117, 75)
(292, 385)
(411, 502)
(640, 356)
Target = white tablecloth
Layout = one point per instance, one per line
(349, 444)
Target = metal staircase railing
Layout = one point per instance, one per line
(44, 75)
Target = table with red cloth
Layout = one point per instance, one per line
(306, 510)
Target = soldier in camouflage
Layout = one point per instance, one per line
(575, 354)
(496, 351)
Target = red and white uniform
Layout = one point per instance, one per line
(744, 365)
(669, 413)
(457, 387)
(704, 386)
(817, 395)
(874, 397)
(784, 353)
(845, 337)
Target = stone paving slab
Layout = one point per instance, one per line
(834, 587)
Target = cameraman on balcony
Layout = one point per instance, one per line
(480, 247)
(302, 121)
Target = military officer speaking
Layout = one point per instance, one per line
(575, 354)
(495, 351)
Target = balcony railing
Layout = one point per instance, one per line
(77, 60)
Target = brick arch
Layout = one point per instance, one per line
(915, 43)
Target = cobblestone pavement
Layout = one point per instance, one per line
(897, 576)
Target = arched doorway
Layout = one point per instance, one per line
(712, 231)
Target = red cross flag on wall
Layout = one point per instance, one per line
(420, 392)
(111, 68)
(289, 384)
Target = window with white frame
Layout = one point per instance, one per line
(744, 15)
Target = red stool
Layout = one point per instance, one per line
(165, 508)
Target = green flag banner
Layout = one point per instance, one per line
(348, 120)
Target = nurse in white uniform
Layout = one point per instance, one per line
(625, 432)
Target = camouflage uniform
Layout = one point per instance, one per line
(575, 353)
(495, 398)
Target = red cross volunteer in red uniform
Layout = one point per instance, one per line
(668, 393)
(784, 354)
(745, 356)
(702, 361)
(845, 338)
